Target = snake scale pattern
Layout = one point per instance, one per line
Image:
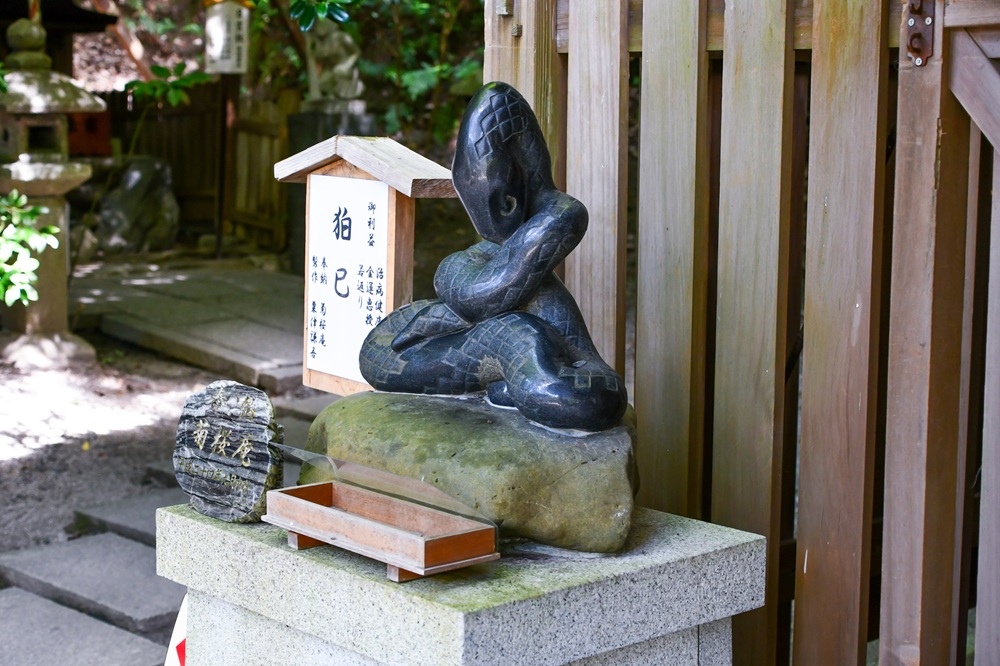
(503, 321)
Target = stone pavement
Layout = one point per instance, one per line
(227, 317)
(97, 599)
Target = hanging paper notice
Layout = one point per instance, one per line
(347, 275)
(227, 30)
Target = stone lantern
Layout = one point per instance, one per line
(34, 159)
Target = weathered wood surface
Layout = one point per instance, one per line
(223, 458)
(988, 600)
(925, 353)
(417, 538)
(258, 201)
(976, 82)
(988, 39)
(752, 294)
(530, 62)
(970, 13)
(386, 160)
(842, 315)
(673, 258)
(596, 155)
(975, 302)
(802, 30)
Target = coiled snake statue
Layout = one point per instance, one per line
(503, 323)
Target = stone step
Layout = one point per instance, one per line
(281, 380)
(219, 346)
(296, 430)
(105, 575)
(133, 517)
(39, 631)
(161, 472)
(303, 408)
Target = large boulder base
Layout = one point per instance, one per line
(553, 488)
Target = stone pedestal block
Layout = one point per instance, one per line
(666, 598)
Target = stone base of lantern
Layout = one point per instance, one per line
(54, 351)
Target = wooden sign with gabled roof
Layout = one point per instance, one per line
(360, 195)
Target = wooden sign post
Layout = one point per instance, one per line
(360, 194)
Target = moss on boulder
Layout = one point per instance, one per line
(554, 488)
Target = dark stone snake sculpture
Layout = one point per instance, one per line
(503, 322)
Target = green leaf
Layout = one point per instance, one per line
(12, 295)
(420, 81)
(174, 96)
(160, 71)
(307, 18)
(179, 68)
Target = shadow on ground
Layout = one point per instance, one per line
(84, 436)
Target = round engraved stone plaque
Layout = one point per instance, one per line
(223, 457)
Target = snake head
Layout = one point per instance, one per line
(498, 144)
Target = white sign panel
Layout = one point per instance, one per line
(347, 277)
(227, 38)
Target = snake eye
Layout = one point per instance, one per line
(510, 205)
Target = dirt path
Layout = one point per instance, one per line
(76, 438)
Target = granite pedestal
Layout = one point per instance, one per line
(666, 598)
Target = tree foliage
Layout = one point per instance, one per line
(169, 86)
(420, 61)
(20, 242)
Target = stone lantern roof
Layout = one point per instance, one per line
(32, 87)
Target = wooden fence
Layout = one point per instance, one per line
(189, 137)
(758, 285)
(186, 137)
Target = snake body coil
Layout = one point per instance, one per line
(503, 323)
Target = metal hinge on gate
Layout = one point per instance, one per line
(920, 31)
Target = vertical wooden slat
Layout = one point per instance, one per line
(596, 158)
(521, 50)
(988, 597)
(842, 314)
(924, 378)
(793, 366)
(752, 293)
(672, 257)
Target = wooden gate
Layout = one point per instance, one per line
(188, 138)
(256, 208)
(945, 300)
(742, 264)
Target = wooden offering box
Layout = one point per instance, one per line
(412, 539)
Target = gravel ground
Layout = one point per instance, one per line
(84, 436)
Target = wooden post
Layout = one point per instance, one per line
(230, 90)
(597, 124)
(925, 354)
(988, 605)
(752, 294)
(673, 257)
(842, 314)
(521, 50)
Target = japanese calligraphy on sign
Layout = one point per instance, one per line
(346, 270)
(227, 38)
(223, 457)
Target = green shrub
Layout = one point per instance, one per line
(20, 241)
